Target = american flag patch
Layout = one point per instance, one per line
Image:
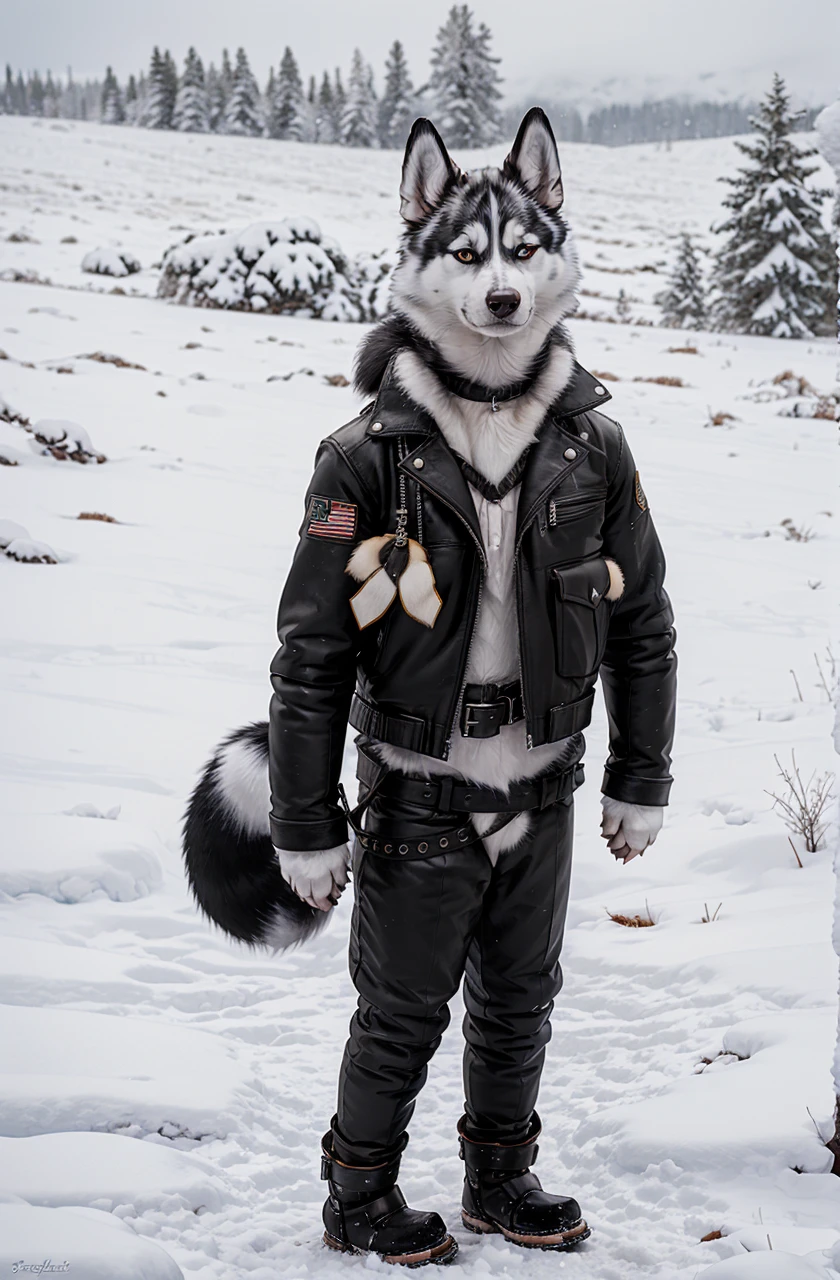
(331, 519)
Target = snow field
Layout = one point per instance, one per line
(126, 1019)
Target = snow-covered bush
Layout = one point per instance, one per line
(110, 262)
(277, 267)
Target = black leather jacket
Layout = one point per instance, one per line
(402, 682)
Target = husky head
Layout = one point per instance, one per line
(486, 270)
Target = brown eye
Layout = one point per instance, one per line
(526, 251)
(465, 255)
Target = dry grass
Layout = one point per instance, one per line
(683, 351)
(720, 419)
(97, 515)
(633, 922)
(336, 380)
(708, 918)
(711, 1235)
(794, 534)
(663, 381)
(604, 377)
(102, 357)
(803, 806)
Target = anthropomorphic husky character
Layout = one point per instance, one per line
(476, 548)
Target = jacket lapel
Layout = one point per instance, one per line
(441, 475)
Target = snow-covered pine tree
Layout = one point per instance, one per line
(242, 113)
(287, 117)
(827, 125)
(358, 124)
(464, 83)
(683, 303)
(325, 112)
(192, 111)
(397, 105)
(216, 99)
(312, 92)
(775, 274)
(112, 110)
(622, 307)
(131, 100)
(339, 102)
(160, 98)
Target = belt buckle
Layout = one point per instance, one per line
(468, 723)
(505, 698)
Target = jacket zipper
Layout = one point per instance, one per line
(559, 513)
(483, 565)
(529, 741)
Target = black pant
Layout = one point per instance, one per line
(418, 928)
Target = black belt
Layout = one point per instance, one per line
(447, 795)
(486, 707)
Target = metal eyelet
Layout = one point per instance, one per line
(389, 848)
(444, 843)
(422, 847)
(464, 834)
(403, 848)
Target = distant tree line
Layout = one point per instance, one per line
(667, 120)
(462, 95)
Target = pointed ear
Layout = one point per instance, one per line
(534, 161)
(427, 172)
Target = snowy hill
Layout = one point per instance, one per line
(686, 1056)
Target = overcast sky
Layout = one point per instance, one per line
(544, 43)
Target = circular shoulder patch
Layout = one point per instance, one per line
(641, 500)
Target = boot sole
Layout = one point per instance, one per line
(440, 1255)
(568, 1239)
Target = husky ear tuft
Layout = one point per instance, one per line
(427, 171)
(534, 161)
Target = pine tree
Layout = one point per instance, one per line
(311, 92)
(131, 100)
(192, 110)
(160, 98)
(622, 307)
(35, 95)
(9, 93)
(683, 303)
(339, 102)
(774, 275)
(287, 118)
(215, 98)
(464, 83)
(51, 96)
(242, 113)
(397, 107)
(325, 117)
(358, 124)
(112, 110)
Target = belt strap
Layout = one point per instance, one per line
(446, 795)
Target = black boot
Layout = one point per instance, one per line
(501, 1195)
(366, 1213)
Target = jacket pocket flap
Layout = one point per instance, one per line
(584, 584)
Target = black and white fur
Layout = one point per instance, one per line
(467, 236)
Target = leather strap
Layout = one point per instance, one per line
(446, 795)
(481, 1156)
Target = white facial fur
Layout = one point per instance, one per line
(446, 300)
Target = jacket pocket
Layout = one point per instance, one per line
(581, 617)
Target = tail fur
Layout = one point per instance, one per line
(231, 866)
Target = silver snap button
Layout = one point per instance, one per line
(584, 435)
(419, 464)
(600, 391)
(376, 426)
(570, 454)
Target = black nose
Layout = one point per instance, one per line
(502, 302)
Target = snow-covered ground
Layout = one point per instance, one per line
(162, 1093)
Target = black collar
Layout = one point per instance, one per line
(469, 390)
(394, 413)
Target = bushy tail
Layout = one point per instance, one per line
(231, 866)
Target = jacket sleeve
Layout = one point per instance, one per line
(639, 671)
(314, 670)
